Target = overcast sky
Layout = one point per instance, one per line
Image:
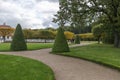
(29, 13)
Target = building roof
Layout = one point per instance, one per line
(4, 26)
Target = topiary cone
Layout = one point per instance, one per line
(77, 39)
(18, 43)
(60, 44)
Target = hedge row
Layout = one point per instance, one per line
(87, 37)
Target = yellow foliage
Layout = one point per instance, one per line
(6, 31)
(53, 32)
(69, 35)
(86, 35)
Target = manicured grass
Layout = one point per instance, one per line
(20, 68)
(31, 46)
(36, 46)
(104, 54)
(4, 47)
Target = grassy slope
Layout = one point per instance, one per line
(19, 68)
(104, 54)
(31, 46)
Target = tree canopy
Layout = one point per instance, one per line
(85, 12)
(98, 32)
(6, 31)
(39, 34)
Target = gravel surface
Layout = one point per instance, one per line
(67, 68)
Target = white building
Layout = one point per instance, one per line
(5, 34)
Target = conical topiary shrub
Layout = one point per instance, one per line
(77, 39)
(18, 43)
(60, 44)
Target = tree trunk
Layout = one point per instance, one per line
(116, 40)
(119, 44)
(3, 38)
(98, 40)
(45, 41)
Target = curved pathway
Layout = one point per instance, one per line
(67, 68)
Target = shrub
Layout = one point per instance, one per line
(18, 43)
(87, 37)
(60, 44)
(77, 39)
(98, 32)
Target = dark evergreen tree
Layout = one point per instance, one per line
(60, 44)
(18, 43)
(77, 39)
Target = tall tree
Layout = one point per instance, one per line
(90, 10)
(62, 15)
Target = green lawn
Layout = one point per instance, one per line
(20, 68)
(31, 46)
(36, 46)
(104, 54)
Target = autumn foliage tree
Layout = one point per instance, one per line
(46, 34)
(69, 35)
(6, 31)
(87, 36)
(28, 33)
(39, 34)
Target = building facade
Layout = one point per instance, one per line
(5, 33)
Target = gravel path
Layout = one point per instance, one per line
(67, 68)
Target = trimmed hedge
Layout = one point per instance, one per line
(60, 44)
(18, 43)
(87, 37)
